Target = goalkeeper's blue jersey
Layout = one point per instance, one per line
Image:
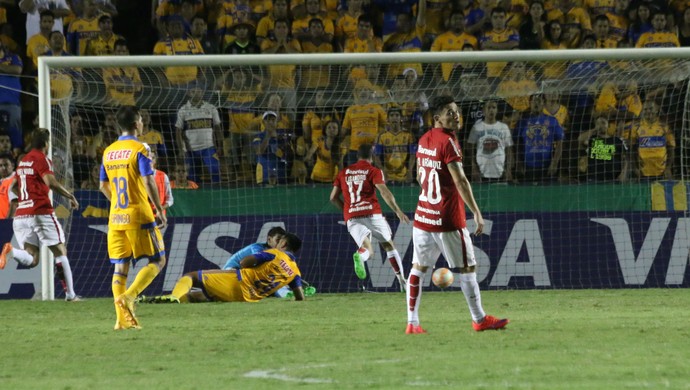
(234, 260)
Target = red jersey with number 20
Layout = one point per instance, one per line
(33, 191)
(358, 184)
(440, 207)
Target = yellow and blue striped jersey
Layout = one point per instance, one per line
(125, 162)
(275, 270)
(652, 139)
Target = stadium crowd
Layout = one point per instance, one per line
(269, 125)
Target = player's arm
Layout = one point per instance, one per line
(296, 287)
(55, 185)
(557, 153)
(256, 259)
(465, 190)
(390, 201)
(152, 192)
(336, 199)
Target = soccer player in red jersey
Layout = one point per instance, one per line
(358, 184)
(35, 222)
(439, 221)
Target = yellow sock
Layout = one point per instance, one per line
(182, 288)
(119, 285)
(143, 279)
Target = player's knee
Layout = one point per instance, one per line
(388, 246)
(159, 261)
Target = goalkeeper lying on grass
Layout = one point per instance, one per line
(259, 276)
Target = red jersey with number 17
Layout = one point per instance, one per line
(440, 207)
(358, 184)
(33, 191)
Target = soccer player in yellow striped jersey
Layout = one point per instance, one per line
(500, 37)
(104, 42)
(407, 38)
(601, 27)
(659, 36)
(554, 108)
(655, 144)
(259, 276)
(393, 149)
(599, 7)
(453, 40)
(178, 44)
(127, 180)
(122, 83)
(346, 25)
(363, 122)
(84, 28)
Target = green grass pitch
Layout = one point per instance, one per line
(582, 339)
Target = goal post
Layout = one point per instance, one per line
(627, 234)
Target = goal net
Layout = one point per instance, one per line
(577, 158)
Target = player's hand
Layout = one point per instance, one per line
(161, 220)
(403, 218)
(479, 220)
(73, 203)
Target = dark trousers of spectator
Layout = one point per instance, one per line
(197, 160)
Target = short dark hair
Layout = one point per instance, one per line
(46, 12)
(365, 151)
(364, 18)
(602, 17)
(293, 243)
(7, 156)
(120, 42)
(41, 138)
(104, 17)
(498, 10)
(127, 117)
(438, 102)
(275, 231)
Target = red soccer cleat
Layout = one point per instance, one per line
(414, 329)
(490, 322)
(6, 249)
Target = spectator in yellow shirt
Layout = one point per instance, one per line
(452, 40)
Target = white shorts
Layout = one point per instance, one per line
(455, 246)
(375, 225)
(38, 230)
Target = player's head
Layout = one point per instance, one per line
(445, 112)
(129, 119)
(365, 152)
(120, 48)
(6, 165)
(490, 110)
(658, 20)
(5, 142)
(290, 243)
(650, 109)
(364, 24)
(332, 128)
(105, 23)
(536, 103)
(601, 122)
(394, 117)
(274, 236)
(56, 41)
(40, 139)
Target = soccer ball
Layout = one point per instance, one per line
(442, 278)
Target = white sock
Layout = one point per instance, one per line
(413, 302)
(68, 276)
(23, 257)
(364, 254)
(470, 287)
